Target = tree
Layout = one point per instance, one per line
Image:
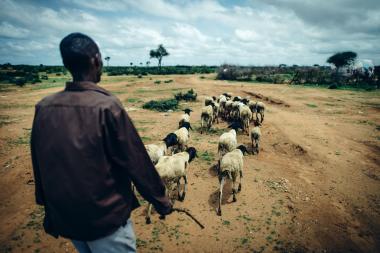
(159, 53)
(342, 59)
(147, 63)
(107, 59)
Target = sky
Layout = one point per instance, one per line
(208, 32)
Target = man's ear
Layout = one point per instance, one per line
(97, 61)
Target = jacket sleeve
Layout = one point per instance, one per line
(127, 151)
(36, 171)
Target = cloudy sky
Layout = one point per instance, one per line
(245, 32)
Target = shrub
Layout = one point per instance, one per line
(161, 105)
(190, 95)
(20, 82)
(157, 82)
(231, 72)
(168, 81)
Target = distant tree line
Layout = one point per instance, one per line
(165, 70)
(22, 74)
(366, 78)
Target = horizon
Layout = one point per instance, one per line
(245, 32)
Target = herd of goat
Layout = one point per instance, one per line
(239, 112)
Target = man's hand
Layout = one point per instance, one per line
(166, 211)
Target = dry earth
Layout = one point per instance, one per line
(315, 186)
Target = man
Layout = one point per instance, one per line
(85, 153)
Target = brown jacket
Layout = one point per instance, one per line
(85, 153)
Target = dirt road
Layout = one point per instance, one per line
(315, 186)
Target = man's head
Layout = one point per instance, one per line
(81, 56)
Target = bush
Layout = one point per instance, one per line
(190, 95)
(168, 81)
(161, 105)
(231, 72)
(20, 82)
(157, 82)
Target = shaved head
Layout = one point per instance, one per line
(77, 51)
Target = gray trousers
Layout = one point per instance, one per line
(122, 240)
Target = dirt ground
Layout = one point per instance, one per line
(314, 187)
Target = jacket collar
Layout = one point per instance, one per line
(85, 85)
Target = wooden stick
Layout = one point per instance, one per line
(181, 210)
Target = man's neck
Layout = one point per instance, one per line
(83, 78)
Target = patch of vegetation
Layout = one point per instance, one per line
(140, 243)
(119, 92)
(217, 131)
(168, 81)
(226, 223)
(190, 95)
(46, 86)
(207, 156)
(146, 138)
(133, 100)
(311, 105)
(6, 120)
(157, 82)
(15, 106)
(21, 140)
(161, 105)
(142, 129)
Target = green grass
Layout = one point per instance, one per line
(146, 138)
(207, 156)
(6, 87)
(15, 106)
(226, 222)
(119, 92)
(6, 120)
(311, 105)
(133, 100)
(47, 85)
(159, 90)
(21, 140)
(142, 129)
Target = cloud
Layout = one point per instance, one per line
(246, 35)
(194, 32)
